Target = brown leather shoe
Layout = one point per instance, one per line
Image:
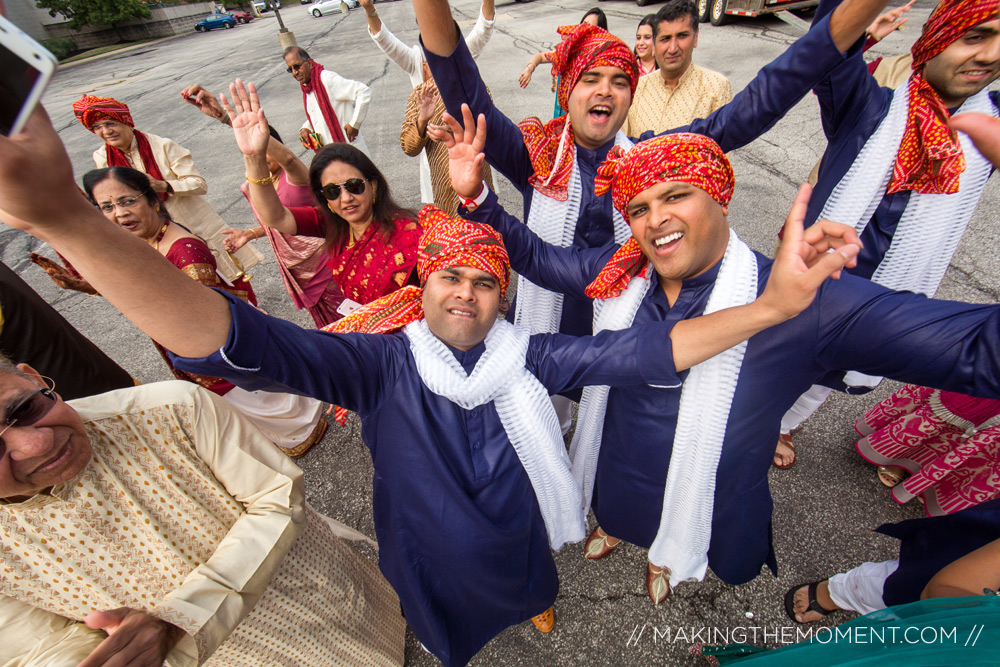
(657, 583)
(599, 544)
(545, 621)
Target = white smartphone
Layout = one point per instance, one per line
(25, 70)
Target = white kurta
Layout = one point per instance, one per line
(349, 100)
(410, 59)
(188, 205)
(188, 513)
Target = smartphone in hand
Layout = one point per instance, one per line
(25, 70)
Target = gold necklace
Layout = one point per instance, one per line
(159, 237)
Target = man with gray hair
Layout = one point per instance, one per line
(329, 100)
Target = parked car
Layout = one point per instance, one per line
(215, 21)
(241, 17)
(321, 7)
(264, 6)
(719, 11)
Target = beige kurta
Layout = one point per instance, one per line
(188, 513)
(188, 205)
(656, 107)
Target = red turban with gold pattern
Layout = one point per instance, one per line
(90, 109)
(930, 158)
(684, 157)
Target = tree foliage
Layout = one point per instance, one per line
(95, 12)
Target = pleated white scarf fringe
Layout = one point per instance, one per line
(525, 411)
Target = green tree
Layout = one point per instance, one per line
(95, 12)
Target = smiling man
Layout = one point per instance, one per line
(679, 91)
(472, 482)
(682, 469)
(895, 171)
(100, 564)
(328, 98)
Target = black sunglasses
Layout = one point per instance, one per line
(29, 410)
(296, 68)
(355, 186)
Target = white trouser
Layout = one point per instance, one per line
(564, 412)
(803, 408)
(860, 589)
(287, 420)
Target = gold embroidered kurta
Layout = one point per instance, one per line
(656, 107)
(188, 513)
(188, 205)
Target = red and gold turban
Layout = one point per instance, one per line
(446, 242)
(551, 145)
(930, 158)
(688, 158)
(90, 109)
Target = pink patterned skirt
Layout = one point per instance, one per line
(948, 442)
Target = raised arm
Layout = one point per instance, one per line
(406, 57)
(481, 32)
(171, 308)
(250, 129)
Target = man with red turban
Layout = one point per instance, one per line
(472, 481)
(894, 169)
(171, 172)
(682, 469)
(553, 164)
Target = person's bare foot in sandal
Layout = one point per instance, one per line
(784, 453)
(810, 602)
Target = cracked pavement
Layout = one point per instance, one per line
(825, 507)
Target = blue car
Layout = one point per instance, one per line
(215, 21)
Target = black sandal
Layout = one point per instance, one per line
(814, 604)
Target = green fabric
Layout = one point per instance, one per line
(964, 632)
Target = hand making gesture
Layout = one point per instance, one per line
(247, 118)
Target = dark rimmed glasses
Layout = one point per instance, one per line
(355, 186)
(295, 68)
(30, 409)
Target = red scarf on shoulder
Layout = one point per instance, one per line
(329, 115)
(117, 158)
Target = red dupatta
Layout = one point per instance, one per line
(371, 267)
(117, 158)
(316, 87)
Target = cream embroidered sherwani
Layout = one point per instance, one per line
(656, 107)
(188, 513)
(188, 205)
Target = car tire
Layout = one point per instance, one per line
(643, 3)
(198, 28)
(317, 13)
(718, 14)
(229, 25)
(704, 10)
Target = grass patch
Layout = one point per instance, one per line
(104, 49)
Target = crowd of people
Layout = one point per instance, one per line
(165, 523)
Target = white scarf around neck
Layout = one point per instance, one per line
(555, 222)
(685, 530)
(525, 411)
(930, 227)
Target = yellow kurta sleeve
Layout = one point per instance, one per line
(216, 595)
(32, 637)
(177, 166)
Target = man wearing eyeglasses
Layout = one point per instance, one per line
(190, 544)
(328, 99)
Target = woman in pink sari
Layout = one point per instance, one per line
(937, 445)
(302, 262)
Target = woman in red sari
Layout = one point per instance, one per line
(371, 240)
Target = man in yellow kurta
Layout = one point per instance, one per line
(131, 513)
(171, 172)
(679, 91)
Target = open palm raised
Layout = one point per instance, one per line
(247, 118)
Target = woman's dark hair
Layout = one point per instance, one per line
(274, 133)
(650, 20)
(384, 207)
(602, 20)
(126, 176)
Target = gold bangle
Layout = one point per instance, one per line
(262, 181)
(255, 235)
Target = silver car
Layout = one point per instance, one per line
(321, 7)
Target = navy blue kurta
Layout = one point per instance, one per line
(767, 98)
(461, 538)
(852, 324)
(852, 106)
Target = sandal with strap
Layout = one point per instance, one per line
(892, 475)
(786, 440)
(814, 604)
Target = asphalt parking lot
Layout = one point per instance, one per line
(824, 508)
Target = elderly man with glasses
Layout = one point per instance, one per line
(132, 529)
(328, 99)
